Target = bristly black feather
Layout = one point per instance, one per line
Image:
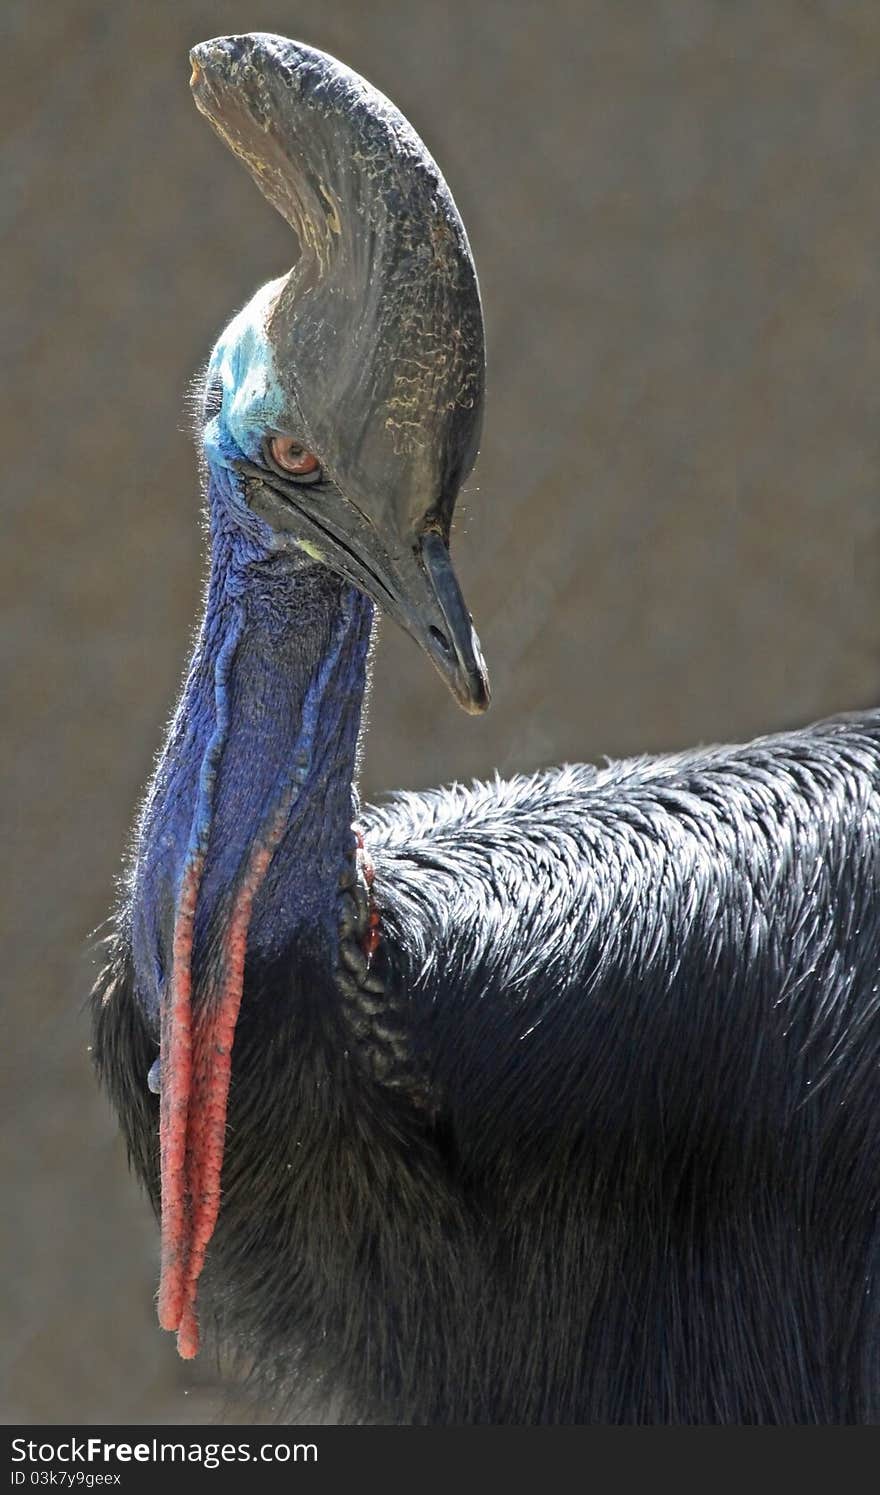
(645, 1001)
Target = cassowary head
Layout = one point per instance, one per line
(343, 405)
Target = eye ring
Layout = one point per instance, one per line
(290, 459)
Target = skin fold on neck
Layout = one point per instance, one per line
(242, 839)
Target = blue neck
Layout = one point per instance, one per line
(270, 715)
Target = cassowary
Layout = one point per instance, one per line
(553, 1100)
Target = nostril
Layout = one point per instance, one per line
(439, 638)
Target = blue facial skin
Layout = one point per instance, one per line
(241, 366)
(272, 702)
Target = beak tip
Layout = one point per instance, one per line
(475, 698)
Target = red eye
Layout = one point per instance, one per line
(291, 456)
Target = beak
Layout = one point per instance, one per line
(408, 574)
(453, 646)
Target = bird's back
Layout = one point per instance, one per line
(646, 998)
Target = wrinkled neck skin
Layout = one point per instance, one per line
(261, 753)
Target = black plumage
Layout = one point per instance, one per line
(631, 1173)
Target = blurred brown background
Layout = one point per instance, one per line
(672, 534)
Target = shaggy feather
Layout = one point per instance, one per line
(645, 1001)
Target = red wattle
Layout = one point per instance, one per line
(196, 1073)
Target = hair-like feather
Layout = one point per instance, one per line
(635, 1176)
